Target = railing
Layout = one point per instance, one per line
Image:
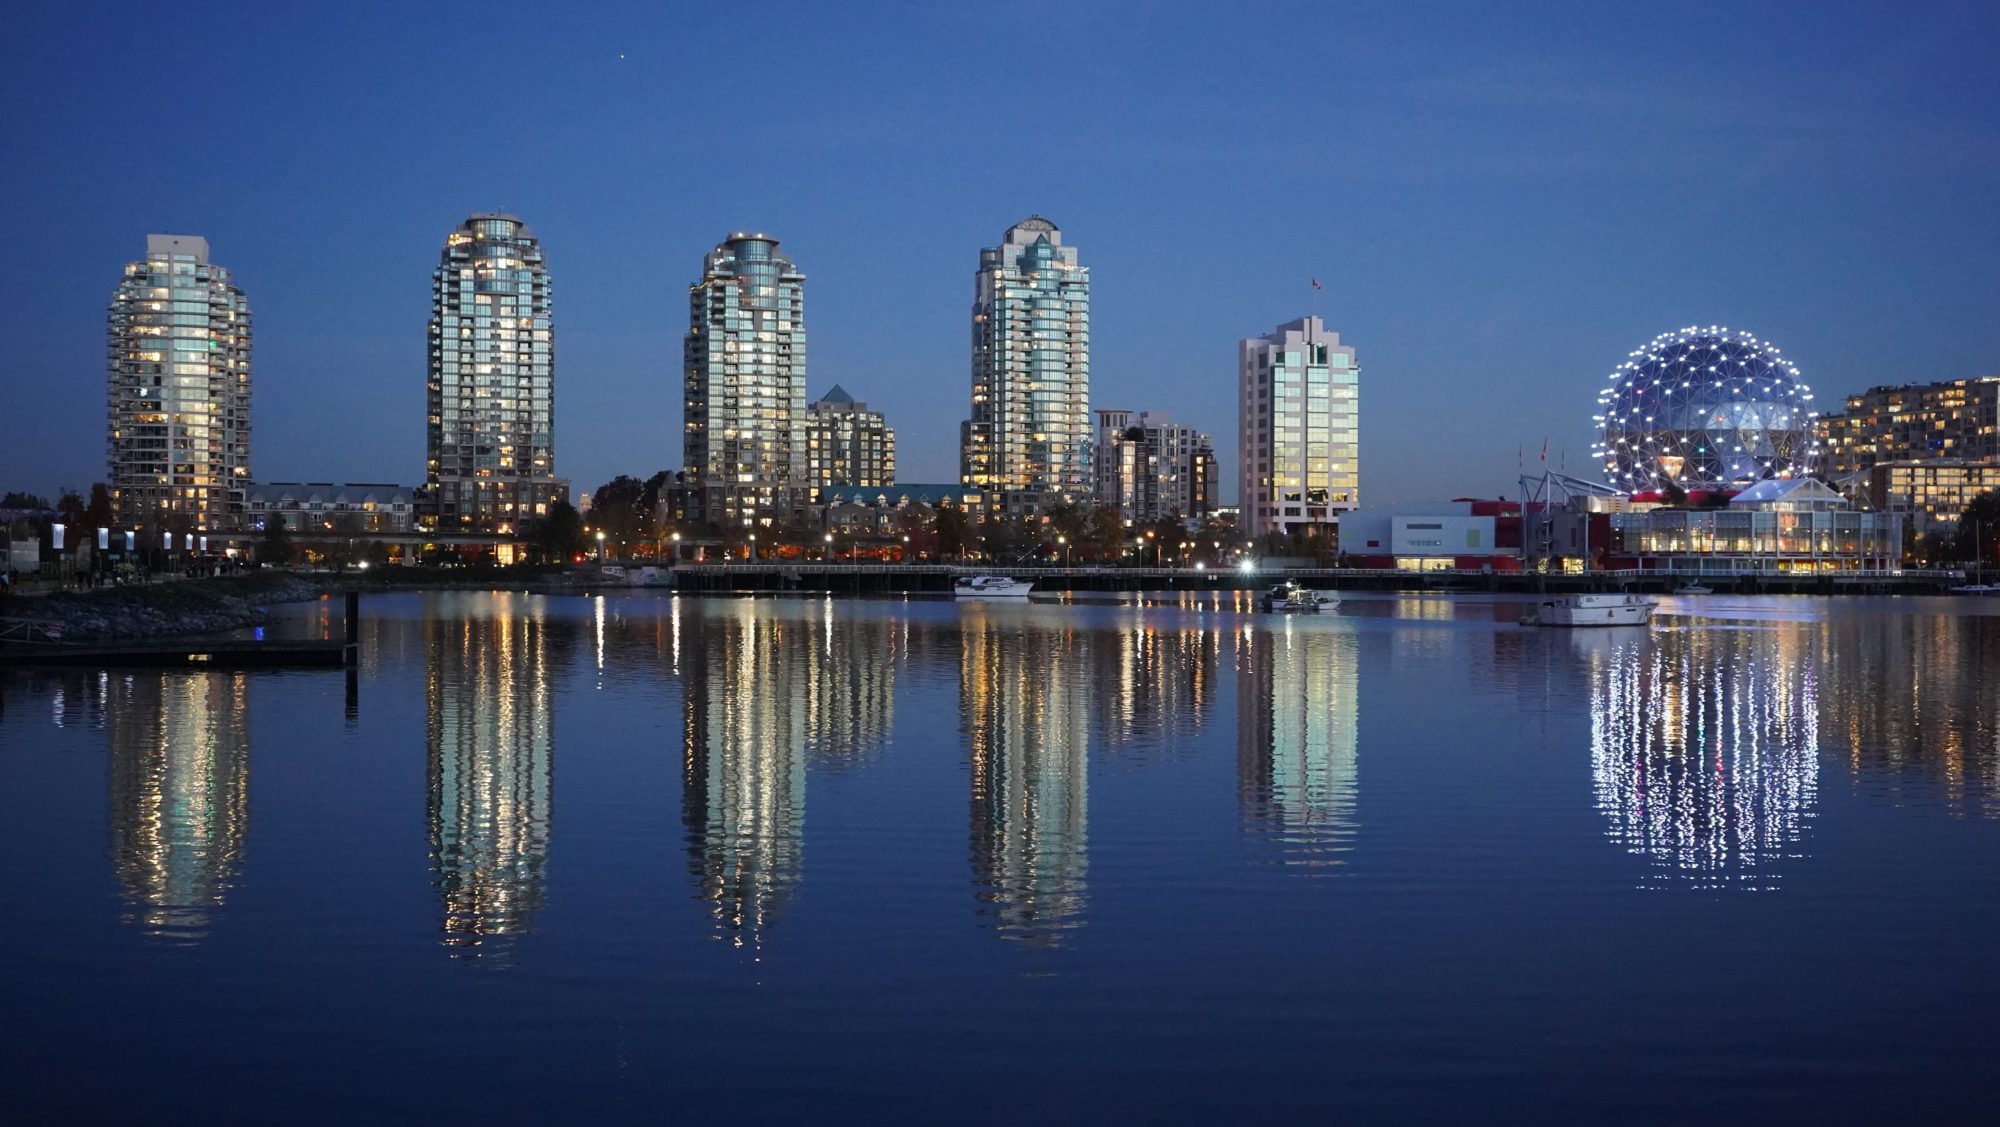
(30, 631)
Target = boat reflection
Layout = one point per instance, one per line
(491, 662)
(1297, 779)
(1704, 751)
(1024, 702)
(180, 793)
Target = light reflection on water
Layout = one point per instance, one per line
(1077, 830)
(491, 736)
(1704, 749)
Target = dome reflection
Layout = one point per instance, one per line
(1704, 751)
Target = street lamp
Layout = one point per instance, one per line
(677, 547)
(753, 547)
(827, 553)
(600, 547)
(1063, 543)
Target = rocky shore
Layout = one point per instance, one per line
(162, 610)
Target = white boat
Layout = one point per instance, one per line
(1290, 598)
(1693, 589)
(991, 587)
(616, 576)
(1593, 610)
(1976, 589)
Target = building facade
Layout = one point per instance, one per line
(1778, 525)
(178, 400)
(1953, 419)
(1930, 496)
(324, 506)
(1298, 430)
(1149, 467)
(491, 455)
(1028, 441)
(745, 384)
(847, 444)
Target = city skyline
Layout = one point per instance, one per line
(1494, 202)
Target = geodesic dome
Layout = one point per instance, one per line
(1701, 408)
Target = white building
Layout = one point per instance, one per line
(1298, 429)
(1028, 442)
(491, 431)
(179, 392)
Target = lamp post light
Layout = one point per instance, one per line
(677, 547)
(1063, 543)
(600, 547)
(826, 554)
(753, 548)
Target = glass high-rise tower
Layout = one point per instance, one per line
(179, 394)
(1029, 439)
(491, 430)
(745, 383)
(1299, 429)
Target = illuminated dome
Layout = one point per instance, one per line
(1705, 407)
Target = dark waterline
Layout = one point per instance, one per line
(1156, 862)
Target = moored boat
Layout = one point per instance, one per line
(1593, 610)
(1976, 589)
(991, 587)
(1290, 598)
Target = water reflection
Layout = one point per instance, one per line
(744, 768)
(180, 792)
(491, 741)
(1024, 702)
(1704, 749)
(1296, 763)
(1918, 723)
(1156, 683)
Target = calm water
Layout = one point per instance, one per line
(794, 860)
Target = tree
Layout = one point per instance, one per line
(70, 508)
(1104, 532)
(20, 500)
(98, 513)
(1978, 531)
(619, 509)
(954, 529)
(559, 536)
(275, 546)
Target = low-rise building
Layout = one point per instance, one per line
(1781, 525)
(1930, 496)
(322, 505)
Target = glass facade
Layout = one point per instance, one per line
(491, 429)
(1029, 440)
(1299, 429)
(179, 392)
(745, 383)
(1705, 407)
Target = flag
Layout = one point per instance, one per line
(1545, 449)
(1316, 284)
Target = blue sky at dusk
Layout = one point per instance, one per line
(1501, 201)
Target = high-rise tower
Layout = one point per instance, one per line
(491, 431)
(1299, 430)
(1029, 438)
(179, 394)
(745, 385)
